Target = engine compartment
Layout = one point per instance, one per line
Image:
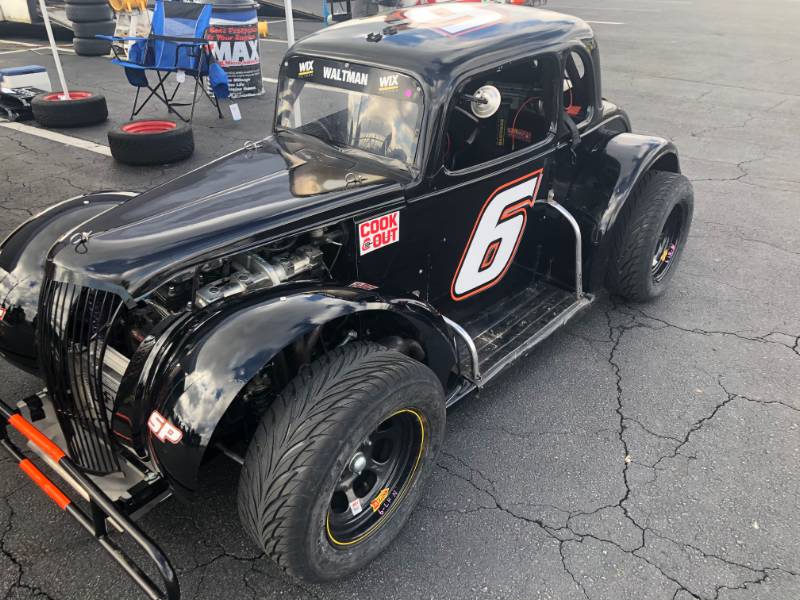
(312, 254)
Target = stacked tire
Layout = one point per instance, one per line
(90, 18)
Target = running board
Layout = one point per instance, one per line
(558, 321)
(483, 371)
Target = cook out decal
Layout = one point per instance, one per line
(378, 232)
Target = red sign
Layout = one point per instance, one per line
(378, 232)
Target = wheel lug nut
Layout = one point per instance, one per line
(358, 463)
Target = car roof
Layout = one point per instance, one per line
(439, 42)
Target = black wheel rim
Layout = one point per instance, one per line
(667, 246)
(376, 478)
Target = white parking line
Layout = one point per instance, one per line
(275, 40)
(269, 80)
(605, 23)
(36, 49)
(16, 43)
(58, 137)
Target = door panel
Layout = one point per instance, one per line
(477, 233)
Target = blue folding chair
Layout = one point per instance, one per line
(176, 43)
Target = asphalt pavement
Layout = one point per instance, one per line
(645, 452)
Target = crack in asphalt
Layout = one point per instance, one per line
(224, 554)
(743, 172)
(12, 558)
(697, 425)
(565, 533)
(709, 332)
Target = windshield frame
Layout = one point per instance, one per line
(413, 167)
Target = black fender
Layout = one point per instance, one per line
(206, 361)
(23, 255)
(606, 176)
(635, 154)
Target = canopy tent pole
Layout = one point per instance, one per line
(289, 21)
(64, 91)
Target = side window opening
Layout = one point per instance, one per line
(577, 87)
(524, 117)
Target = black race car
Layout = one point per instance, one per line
(445, 188)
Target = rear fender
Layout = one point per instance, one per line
(606, 178)
(213, 357)
(635, 154)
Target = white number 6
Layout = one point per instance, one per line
(495, 237)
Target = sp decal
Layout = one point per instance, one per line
(163, 429)
(378, 232)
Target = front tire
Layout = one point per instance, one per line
(650, 236)
(338, 461)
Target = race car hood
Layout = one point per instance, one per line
(259, 193)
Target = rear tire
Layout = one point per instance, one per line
(83, 108)
(650, 236)
(151, 142)
(342, 408)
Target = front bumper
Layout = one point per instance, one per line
(102, 511)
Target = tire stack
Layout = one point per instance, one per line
(90, 18)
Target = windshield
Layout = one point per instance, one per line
(351, 106)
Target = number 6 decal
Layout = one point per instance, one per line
(495, 237)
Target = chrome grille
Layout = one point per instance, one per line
(73, 326)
